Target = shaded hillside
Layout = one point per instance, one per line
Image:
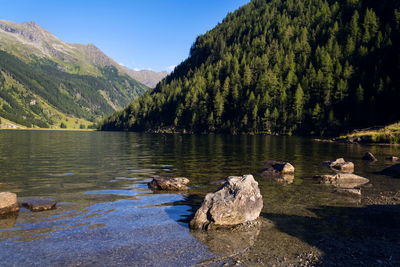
(308, 66)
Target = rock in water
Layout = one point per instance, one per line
(343, 180)
(393, 171)
(340, 165)
(8, 203)
(39, 204)
(171, 184)
(369, 156)
(392, 158)
(237, 201)
(278, 171)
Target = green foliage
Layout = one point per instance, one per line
(295, 66)
(72, 94)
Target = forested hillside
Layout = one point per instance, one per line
(294, 66)
(45, 82)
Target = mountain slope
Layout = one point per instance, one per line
(147, 77)
(44, 80)
(295, 66)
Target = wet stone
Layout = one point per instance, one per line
(340, 165)
(169, 184)
(8, 203)
(342, 180)
(39, 204)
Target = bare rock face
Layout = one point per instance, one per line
(170, 184)
(369, 156)
(343, 180)
(8, 203)
(393, 171)
(39, 204)
(340, 165)
(236, 202)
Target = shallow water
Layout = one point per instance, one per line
(107, 216)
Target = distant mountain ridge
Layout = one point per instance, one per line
(45, 81)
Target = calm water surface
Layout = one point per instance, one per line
(107, 216)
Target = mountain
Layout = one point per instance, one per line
(295, 66)
(147, 77)
(45, 81)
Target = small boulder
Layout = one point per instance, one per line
(340, 165)
(275, 168)
(39, 204)
(343, 180)
(393, 171)
(369, 156)
(170, 184)
(236, 202)
(392, 158)
(8, 203)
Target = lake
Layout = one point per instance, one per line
(106, 215)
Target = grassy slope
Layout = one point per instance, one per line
(389, 135)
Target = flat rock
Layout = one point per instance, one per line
(39, 204)
(393, 171)
(349, 191)
(369, 156)
(169, 184)
(237, 201)
(342, 180)
(8, 203)
(340, 165)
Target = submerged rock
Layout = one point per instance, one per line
(342, 180)
(219, 182)
(171, 184)
(393, 171)
(236, 202)
(340, 165)
(39, 204)
(8, 203)
(369, 156)
(349, 191)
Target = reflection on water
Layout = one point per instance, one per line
(107, 215)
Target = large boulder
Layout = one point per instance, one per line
(340, 165)
(343, 180)
(170, 184)
(393, 171)
(236, 202)
(8, 203)
(369, 156)
(39, 204)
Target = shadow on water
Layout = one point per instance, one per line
(348, 235)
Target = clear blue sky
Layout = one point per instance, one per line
(141, 34)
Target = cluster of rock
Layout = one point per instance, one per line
(393, 170)
(9, 204)
(343, 180)
(340, 165)
(236, 202)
